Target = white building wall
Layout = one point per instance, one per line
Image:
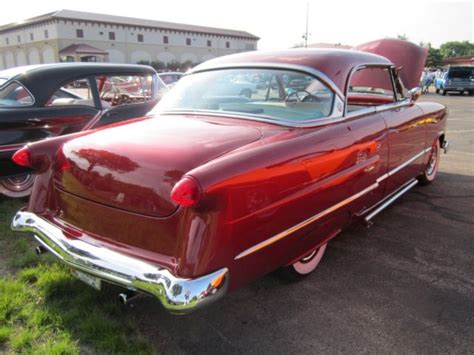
(125, 48)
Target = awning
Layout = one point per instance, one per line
(81, 48)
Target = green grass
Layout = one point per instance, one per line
(44, 309)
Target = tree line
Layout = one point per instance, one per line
(174, 65)
(436, 56)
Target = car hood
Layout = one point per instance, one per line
(135, 166)
(409, 56)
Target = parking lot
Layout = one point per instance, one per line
(405, 285)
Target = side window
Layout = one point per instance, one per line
(15, 95)
(370, 87)
(119, 90)
(76, 92)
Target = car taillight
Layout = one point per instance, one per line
(186, 192)
(22, 157)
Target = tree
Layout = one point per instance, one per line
(403, 37)
(457, 49)
(434, 59)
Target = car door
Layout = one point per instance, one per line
(407, 140)
(368, 93)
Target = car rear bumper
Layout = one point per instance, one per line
(177, 295)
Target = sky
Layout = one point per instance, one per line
(281, 23)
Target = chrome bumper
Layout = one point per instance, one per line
(178, 295)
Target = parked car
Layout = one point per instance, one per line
(218, 190)
(44, 101)
(170, 78)
(456, 79)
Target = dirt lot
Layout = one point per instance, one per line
(404, 285)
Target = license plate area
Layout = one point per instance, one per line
(88, 279)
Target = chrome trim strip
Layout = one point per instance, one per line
(303, 224)
(177, 295)
(401, 166)
(299, 124)
(391, 199)
(12, 147)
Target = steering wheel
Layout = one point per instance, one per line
(302, 96)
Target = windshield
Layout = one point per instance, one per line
(461, 73)
(278, 95)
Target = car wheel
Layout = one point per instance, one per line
(471, 93)
(304, 266)
(432, 167)
(246, 93)
(18, 186)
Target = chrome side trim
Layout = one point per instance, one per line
(408, 162)
(177, 295)
(303, 224)
(391, 199)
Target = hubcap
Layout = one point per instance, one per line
(18, 183)
(433, 160)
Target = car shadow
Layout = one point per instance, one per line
(391, 286)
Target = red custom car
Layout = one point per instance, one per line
(218, 190)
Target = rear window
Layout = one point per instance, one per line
(15, 95)
(278, 95)
(461, 73)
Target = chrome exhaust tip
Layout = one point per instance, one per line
(40, 250)
(125, 297)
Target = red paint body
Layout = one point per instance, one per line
(258, 179)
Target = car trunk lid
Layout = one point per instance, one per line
(135, 166)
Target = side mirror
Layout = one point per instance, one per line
(414, 94)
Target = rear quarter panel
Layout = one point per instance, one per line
(262, 190)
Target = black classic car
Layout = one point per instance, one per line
(43, 101)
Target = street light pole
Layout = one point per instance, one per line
(306, 33)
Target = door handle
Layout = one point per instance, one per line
(34, 120)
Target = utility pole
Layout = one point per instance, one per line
(306, 34)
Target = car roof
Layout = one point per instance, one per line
(335, 64)
(44, 79)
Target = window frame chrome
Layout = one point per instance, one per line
(11, 81)
(372, 109)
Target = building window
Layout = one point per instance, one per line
(18, 39)
(79, 33)
(7, 41)
(165, 40)
(140, 37)
(188, 41)
(227, 44)
(46, 34)
(112, 36)
(32, 37)
(209, 43)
